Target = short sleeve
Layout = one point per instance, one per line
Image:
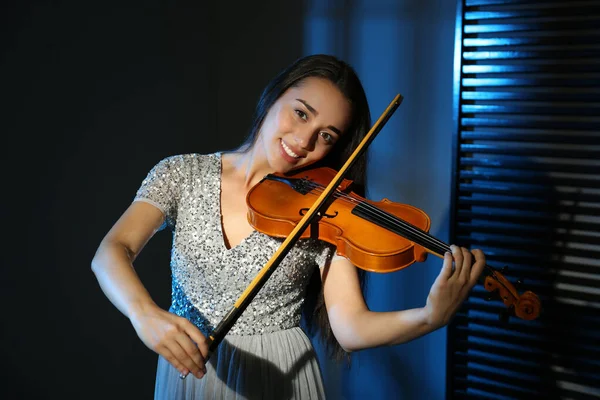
(162, 188)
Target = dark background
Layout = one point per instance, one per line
(95, 93)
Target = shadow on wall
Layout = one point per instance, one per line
(401, 47)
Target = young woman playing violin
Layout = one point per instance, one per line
(314, 113)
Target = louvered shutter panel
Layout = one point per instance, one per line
(526, 190)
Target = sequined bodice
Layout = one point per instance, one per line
(207, 277)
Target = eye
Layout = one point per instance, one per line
(301, 114)
(327, 137)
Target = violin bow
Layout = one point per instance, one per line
(218, 334)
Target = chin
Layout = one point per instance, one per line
(280, 166)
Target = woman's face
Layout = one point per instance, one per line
(304, 124)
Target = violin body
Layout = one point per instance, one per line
(378, 236)
(274, 208)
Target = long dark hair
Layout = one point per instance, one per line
(343, 76)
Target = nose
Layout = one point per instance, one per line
(306, 139)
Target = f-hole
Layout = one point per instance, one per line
(304, 210)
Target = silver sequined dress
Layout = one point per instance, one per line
(266, 355)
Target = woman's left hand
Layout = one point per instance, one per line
(452, 285)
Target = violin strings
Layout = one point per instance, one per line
(393, 220)
(426, 239)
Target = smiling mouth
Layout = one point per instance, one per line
(288, 151)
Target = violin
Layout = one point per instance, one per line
(377, 236)
(410, 241)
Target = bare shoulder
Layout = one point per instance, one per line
(228, 163)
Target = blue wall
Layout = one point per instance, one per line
(404, 47)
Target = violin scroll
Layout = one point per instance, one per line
(528, 306)
(525, 306)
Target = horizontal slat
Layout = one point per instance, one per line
(555, 82)
(536, 329)
(531, 176)
(532, 111)
(526, 4)
(583, 123)
(573, 33)
(529, 204)
(550, 221)
(516, 237)
(524, 249)
(553, 27)
(539, 343)
(539, 261)
(532, 368)
(551, 194)
(566, 13)
(561, 391)
(533, 336)
(523, 163)
(539, 41)
(462, 394)
(522, 381)
(562, 355)
(530, 93)
(471, 69)
(533, 277)
(549, 50)
(541, 375)
(525, 239)
(547, 137)
(497, 389)
(548, 377)
(532, 244)
(553, 314)
(490, 391)
(529, 151)
(540, 91)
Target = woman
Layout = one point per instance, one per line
(314, 112)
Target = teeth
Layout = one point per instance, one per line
(288, 150)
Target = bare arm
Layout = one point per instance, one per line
(173, 337)
(113, 261)
(356, 327)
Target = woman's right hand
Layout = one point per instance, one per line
(175, 338)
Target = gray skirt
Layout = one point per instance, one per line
(280, 365)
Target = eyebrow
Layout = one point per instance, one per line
(315, 112)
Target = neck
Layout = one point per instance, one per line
(249, 166)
